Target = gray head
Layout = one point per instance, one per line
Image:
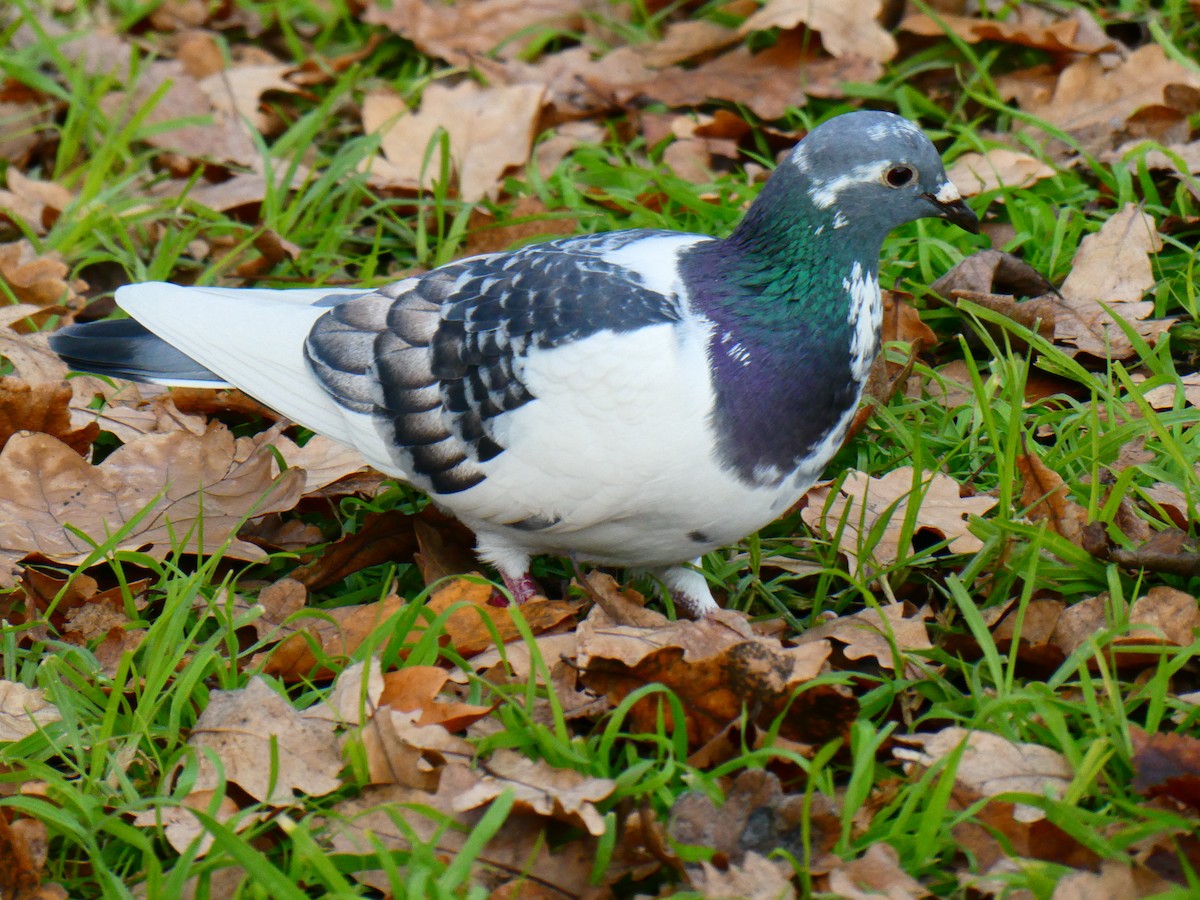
(879, 168)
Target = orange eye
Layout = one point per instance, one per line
(898, 176)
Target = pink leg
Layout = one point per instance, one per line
(522, 587)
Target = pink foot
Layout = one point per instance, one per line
(523, 588)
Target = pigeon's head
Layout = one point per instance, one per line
(877, 170)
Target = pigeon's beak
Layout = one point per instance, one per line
(951, 207)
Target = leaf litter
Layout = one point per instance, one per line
(421, 727)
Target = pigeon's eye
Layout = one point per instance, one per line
(898, 176)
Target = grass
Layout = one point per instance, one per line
(123, 733)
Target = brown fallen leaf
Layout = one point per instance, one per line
(219, 136)
(380, 537)
(754, 878)
(1093, 96)
(181, 828)
(27, 115)
(992, 765)
(331, 633)
(39, 278)
(36, 203)
(43, 407)
(399, 751)
(877, 873)
(1166, 765)
(197, 492)
(265, 746)
(418, 689)
(1047, 499)
(1116, 880)
(756, 818)
(1111, 272)
(1028, 26)
(997, 834)
(489, 131)
(999, 167)
(862, 502)
(393, 816)
(472, 627)
(562, 794)
(846, 28)
(878, 633)
(717, 670)
(24, 849)
(23, 711)
(458, 33)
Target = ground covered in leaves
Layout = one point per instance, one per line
(237, 663)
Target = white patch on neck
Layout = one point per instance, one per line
(825, 193)
(866, 320)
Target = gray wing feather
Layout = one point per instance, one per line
(436, 359)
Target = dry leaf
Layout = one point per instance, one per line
(847, 27)
(208, 486)
(1113, 267)
(1092, 101)
(718, 668)
(756, 819)
(265, 746)
(37, 278)
(873, 632)
(43, 407)
(992, 765)
(458, 33)
(489, 130)
(336, 632)
(368, 822)
(1029, 26)
(181, 828)
(417, 689)
(37, 203)
(1166, 765)
(1046, 497)
(224, 139)
(877, 873)
(975, 173)
(563, 794)
(23, 711)
(24, 849)
(754, 878)
(354, 697)
(862, 502)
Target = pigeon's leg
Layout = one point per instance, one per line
(689, 589)
(522, 587)
(513, 566)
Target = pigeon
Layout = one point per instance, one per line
(631, 398)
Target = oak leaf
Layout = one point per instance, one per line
(265, 746)
(24, 711)
(863, 505)
(992, 765)
(975, 173)
(562, 794)
(846, 28)
(1028, 26)
(169, 491)
(489, 131)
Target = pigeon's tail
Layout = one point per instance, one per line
(123, 348)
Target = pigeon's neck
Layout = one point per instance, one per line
(793, 298)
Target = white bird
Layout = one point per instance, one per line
(635, 398)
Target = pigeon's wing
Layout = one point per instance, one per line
(437, 359)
